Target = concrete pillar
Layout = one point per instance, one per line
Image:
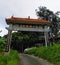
(8, 41)
(46, 38)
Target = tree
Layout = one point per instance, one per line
(2, 44)
(22, 40)
(44, 13)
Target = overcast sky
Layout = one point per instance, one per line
(23, 8)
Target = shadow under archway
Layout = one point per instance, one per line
(21, 44)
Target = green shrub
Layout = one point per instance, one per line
(31, 50)
(12, 62)
(51, 53)
(2, 44)
(10, 59)
(13, 55)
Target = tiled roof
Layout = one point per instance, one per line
(28, 20)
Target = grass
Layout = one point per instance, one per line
(10, 59)
(51, 53)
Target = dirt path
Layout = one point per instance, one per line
(32, 60)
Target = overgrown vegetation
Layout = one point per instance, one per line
(44, 13)
(51, 53)
(7, 59)
(58, 35)
(24, 39)
(2, 44)
(10, 59)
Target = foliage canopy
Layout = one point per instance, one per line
(44, 13)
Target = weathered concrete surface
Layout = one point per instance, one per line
(32, 60)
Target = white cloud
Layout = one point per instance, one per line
(4, 31)
(24, 8)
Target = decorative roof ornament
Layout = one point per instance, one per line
(28, 17)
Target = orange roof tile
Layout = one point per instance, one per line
(26, 20)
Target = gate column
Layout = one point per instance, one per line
(46, 35)
(8, 41)
(46, 38)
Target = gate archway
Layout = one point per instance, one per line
(27, 24)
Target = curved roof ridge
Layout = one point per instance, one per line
(18, 20)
